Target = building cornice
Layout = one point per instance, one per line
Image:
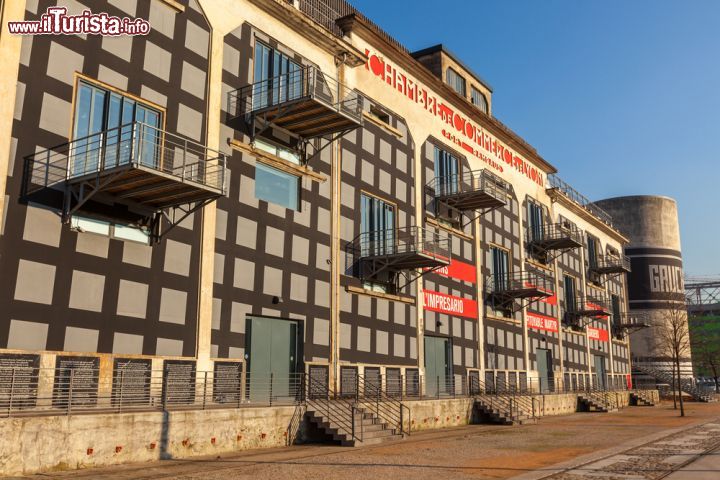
(357, 24)
(296, 20)
(557, 196)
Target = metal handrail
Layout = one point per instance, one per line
(134, 144)
(560, 185)
(396, 241)
(303, 83)
(554, 231)
(608, 261)
(469, 181)
(343, 413)
(387, 408)
(519, 280)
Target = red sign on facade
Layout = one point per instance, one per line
(598, 334)
(459, 271)
(542, 322)
(449, 304)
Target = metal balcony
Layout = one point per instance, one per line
(528, 285)
(554, 236)
(136, 165)
(471, 190)
(305, 103)
(629, 322)
(379, 255)
(611, 264)
(590, 306)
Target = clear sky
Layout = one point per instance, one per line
(622, 96)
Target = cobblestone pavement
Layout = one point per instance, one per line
(653, 460)
(471, 452)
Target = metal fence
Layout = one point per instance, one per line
(29, 391)
(572, 194)
(132, 145)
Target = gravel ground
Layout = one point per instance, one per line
(472, 452)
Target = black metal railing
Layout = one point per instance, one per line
(132, 145)
(554, 233)
(468, 182)
(305, 83)
(595, 305)
(400, 241)
(569, 192)
(611, 263)
(520, 281)
(371, 396)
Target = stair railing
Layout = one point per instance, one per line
(509, 400)
(340, 411)
(369, 394)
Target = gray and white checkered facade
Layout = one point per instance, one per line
(69, 291)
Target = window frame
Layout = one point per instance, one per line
(483, 106)
(458, 78)
(281, 173)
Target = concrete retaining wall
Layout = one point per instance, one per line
(47, 443)
(33, 444)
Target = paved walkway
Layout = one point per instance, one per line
(471, 452)
(706, 467)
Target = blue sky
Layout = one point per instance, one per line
(623, 97)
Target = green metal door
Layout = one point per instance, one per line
(271, 347)
(438, 362)
(600, 372)
(544, 366)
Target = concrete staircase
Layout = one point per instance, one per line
(369, 429)
(640, 398)
(500, 411)
(686, 385)
(595, 402)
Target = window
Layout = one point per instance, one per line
(277, 78)
(377, 228)
(380, 114)
(455, 81)
(536, 220)
(500, 268)
(592, 251)
(615, 301)
(276, 186)
(570, 298)
(284, 153)
(109, 229)
(478, 99)
(98, 110)
(377, 225)
(447, 172)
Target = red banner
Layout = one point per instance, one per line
(542, 322)
(628, 379)
(459, 271)
(598, 334)
(449, 304)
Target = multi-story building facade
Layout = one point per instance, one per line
(280, 187)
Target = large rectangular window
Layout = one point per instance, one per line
(456, 81)
(592, 251)
(277, 78)
(500, 267)
(109, 229)
(570, 296)
(478, 99)
(276, 186)
(536, 220)
(615, 300)
(99, 110)
(377, 226)
(447, 171)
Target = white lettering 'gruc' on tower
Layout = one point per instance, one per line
(666, 279)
